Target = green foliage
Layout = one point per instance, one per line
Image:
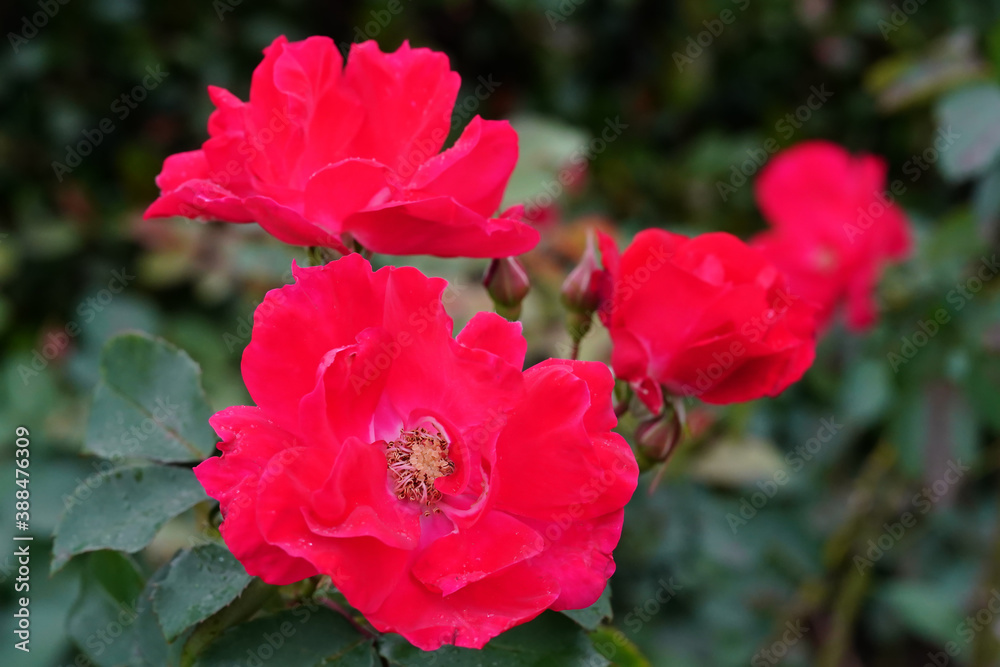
(149, 403)
(199, 583)
(549, 640)
(102, 620)
(300, 637)
(123, 509)
(972, 112)
(590, 618)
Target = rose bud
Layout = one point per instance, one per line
(658, 437)
(507, 283)
(583, 287)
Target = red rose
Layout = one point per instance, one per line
(707, 317)
(448, 494)
(320, 151)
(833, 226)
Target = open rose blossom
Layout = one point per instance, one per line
(707, 317)
(833, 226)
(447, 493)
(323, 150)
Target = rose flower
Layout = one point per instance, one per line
(321, 151)
(833, 226)
(707, 317)
(447, 493)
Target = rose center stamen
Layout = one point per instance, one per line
(415, 460)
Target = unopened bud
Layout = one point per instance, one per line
(583, 287)
(658, 437)
(507, 283)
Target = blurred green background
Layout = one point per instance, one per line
(722, 564)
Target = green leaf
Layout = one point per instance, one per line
(149, 646)
(551, 639)
(986, 203)
(199, 583)
(907, 79)
(591, 617)
(615, 646)
(972, 114)
(149, 403)
(101, 622)
(307, 636)
(865, 392)
(118, 573)
(923, 608)
(123, 509)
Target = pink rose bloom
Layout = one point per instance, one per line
(322, 150)
(448, 494)
(833, 226)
